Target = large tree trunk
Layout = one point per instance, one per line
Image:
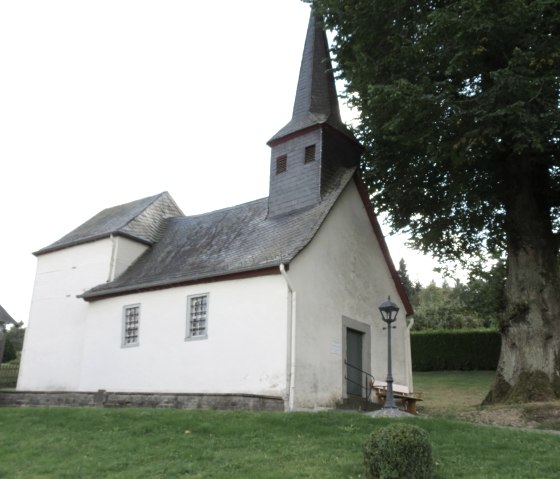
(529, 365)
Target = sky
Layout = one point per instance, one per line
(103, 102)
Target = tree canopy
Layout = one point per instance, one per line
(451, 93)
(411, 289)
(459, 114)
(478, 303)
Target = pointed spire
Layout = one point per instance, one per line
(316, 101)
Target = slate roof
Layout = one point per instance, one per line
(233, 240)
(241, 240)
(316, 101)
(5, 318)
(140, 220)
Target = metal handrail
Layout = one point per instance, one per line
(369, 383)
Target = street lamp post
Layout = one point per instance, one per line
(389, 311)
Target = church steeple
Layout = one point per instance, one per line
(316, 100)
(309, 152)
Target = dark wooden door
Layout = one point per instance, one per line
(354, 345)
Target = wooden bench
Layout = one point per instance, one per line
(402, 393)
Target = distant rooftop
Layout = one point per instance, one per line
(5, 318)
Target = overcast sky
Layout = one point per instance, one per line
(103, 102)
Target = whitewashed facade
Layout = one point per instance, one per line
(337, 282)
(55, 335)
(289, 286)
(340, 281)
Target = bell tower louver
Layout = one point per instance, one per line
(310, 150)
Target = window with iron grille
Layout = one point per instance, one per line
(281, 164)
(309, 154)
(131, 325)
(197, 317)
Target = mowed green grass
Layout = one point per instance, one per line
(158, 443)
(451, 391)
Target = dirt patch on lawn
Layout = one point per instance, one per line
(512, 417)
(532, 416)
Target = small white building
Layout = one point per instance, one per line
(270, 298)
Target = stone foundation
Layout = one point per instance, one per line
(237, 402)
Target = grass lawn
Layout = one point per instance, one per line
(157, 443)
(446, 392)
(459, 394)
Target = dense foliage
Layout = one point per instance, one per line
(411, 289)
(398, 451)
(14, 344)
(10, 352)
(459, 113)
(15, 337)
(478, 303)
(455, 350)
(451, 94)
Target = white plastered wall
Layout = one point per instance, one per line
(245, 351)
(124, 253)
(343, 273)
(54, 338)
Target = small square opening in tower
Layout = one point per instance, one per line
(309, 154)
(281, 164)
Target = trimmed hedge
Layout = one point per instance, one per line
(398, 451)
(447, 350)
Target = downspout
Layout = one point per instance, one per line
(292, 344)
(113, 264)
(408, 352)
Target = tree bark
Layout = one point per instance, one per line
(529, 364)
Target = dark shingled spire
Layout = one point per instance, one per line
(316, 101)
(315, 147)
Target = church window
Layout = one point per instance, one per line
(197, 327)
(309, 154)
(281, 164)
(131, 325)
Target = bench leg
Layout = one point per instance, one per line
(410, 405)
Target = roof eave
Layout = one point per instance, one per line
(383, 244)
(51, 249)
(91, 296)
(282, 137)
